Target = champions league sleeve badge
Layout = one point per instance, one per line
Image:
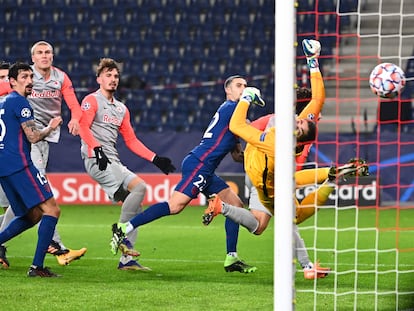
(85, 106)
(25, 113)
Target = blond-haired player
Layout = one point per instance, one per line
(51, 86)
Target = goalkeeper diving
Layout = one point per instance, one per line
(259, 156)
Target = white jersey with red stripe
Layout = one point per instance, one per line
(46, 99)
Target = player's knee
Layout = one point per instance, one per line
(50, 207)
(303, 213)
(260, 229)
(140, 188)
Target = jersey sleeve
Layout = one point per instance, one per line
(314, 108)
(263, 140)
(131, 140)
(5, 88)
(302, 156)
(261, 122)
(89, 108)
(22, 110)
(71, 100)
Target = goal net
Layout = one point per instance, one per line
(365, 231)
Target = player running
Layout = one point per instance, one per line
(259, 164)
(198, 176)
(104, 118)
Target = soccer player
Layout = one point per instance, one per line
(27, 189)
(50, 86)
(259, 165)
(104, 117)
(4, 202)
(4, 79)
(198, 176)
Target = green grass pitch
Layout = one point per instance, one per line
(187, 267)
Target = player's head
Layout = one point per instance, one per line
(303, 97)
(42, 55)
(108, 74)
(305, 130)
(234, 86)
(21, 78)
(4, 71)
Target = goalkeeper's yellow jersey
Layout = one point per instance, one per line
(259, 154)
(314, 108)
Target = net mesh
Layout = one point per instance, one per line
(365, 231)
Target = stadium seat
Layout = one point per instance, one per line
(326, 6)
(327, 23)
(346, 6)
(306, 5)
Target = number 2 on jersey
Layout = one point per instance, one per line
(208, 133)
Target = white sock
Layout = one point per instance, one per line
(129, 228)
(125, 259)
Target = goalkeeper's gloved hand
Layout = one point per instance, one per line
(253, 96)
(164, 164)
(312, 50)
(101, 159)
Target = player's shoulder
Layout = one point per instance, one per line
(59, 73)
(16, 102)
(90, 100)
(227, 106)
(56, 69)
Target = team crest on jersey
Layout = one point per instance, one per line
(119, 109)
(311, 116)
(85, 106)
(25, 113)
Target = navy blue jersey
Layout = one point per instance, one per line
(217, 140)
(14, 145)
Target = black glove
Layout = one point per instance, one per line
(101, 159)
(164, 164)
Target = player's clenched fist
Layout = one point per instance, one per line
(253, 96)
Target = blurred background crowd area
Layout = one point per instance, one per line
(174, 54)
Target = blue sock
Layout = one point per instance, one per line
(44, 237)
(15, 227)
(232, 235)
(153, 212)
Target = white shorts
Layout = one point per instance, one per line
(254, 201)
(4, 202)
(114, 180)
(40, 155)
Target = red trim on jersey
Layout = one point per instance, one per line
(71, 100)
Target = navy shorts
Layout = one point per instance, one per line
(26, 189)
(197, 177)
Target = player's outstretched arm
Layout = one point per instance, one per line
(312, 50)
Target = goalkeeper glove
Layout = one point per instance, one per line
(101, 159)
(252, 95)
(164, 164)
(312, 50)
